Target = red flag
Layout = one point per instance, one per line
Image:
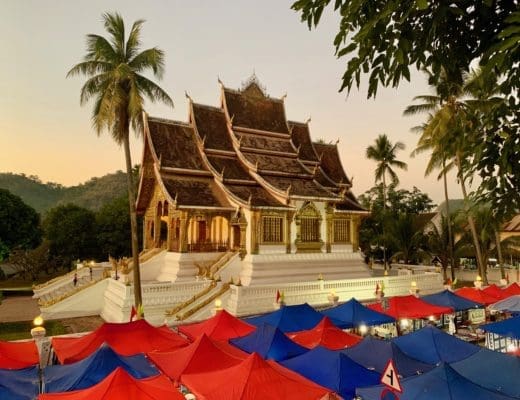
(277, 296)
(133, 313)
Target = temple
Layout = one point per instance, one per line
(242, 177)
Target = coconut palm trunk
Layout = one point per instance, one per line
(133, 222)
(471, 222)
(499, 255)
(448, 218)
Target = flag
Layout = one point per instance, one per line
(278, 296)
(133, 313)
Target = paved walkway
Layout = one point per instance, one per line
(18, 308)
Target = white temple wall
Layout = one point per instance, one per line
(247, 216)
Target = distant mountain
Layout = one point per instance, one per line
(455, 205)
(92, 194)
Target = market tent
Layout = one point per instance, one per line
(495, 291)
(432, 346)
(93, 369)
(492, 370)
(125, 339)
(254, 379)
(512, 290)
(511, 304)
(374, 354)
(476, 295)
(447, 298)
(334, 370)
(203, 355)
(410, 307)
(290, 318)
(222, 326)
(442, 382)
(325, 334)
(270, 343)
(353, 314)
(509, 327)
(16, 355)
(19, 384)
(120, 385)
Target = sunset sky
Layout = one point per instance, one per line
(45, 132)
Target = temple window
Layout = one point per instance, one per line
(272, 229)
(310, 229)
(341, 231)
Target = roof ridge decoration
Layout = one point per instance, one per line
(252, 87)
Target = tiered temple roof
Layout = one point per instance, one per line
(242, 154)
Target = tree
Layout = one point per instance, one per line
(71, 231)
(384, 39)
(30, 263)
(19, 224)
(114, 69)
(408, 238)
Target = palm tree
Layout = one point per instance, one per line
(114, 70)
(384, 153)
(408, 238)
(448, 133)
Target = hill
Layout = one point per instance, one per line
(92, 194)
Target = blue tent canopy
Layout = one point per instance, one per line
(353, 313)
(93, 369)
(510, 304)
(508, 327)
(19, 384)
(447, 298)
(432, 346)
(290, 318)
(443, 382)
(270, 343)
(493, 370)
(374, 354)
(334, 370)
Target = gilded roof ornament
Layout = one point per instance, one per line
(219, 81)
(188, 96)
(308, 120)
(253, 86)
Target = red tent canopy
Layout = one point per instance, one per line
(254, 379)
(120, 385)
(16, 355)
(410, 307)
(512, 290)
(477, 295)
(495, 291)
(203, 355)
(325, 334)
(223, 326)
(126, 339)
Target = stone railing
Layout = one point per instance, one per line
(247, 300)
(225, 287)
(191, 300)
(75, 290)
(221, 262)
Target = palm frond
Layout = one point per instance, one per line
(89, 68)
(153, 91)
(151, 58)
(100, 49)
(134, 39)
(115, 25)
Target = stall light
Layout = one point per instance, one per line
(218, 304)
(363, 329)
(431, 318)
(405, 323)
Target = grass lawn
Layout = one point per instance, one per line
(22, 330)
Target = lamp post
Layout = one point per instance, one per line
(38, 334)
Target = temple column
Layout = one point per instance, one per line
(255, 231)
(329, 221)
(288, 222)
(354, 233)
(183, 237)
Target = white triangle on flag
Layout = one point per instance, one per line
(390, 377)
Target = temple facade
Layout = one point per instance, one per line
(242, 177)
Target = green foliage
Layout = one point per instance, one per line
(19, 224)
(71, 231)
(31, 263)
(400, 201)
(113, 229)
(385, 154)
(22, 330)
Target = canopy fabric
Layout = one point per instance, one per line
(203, 355)
(126, 339)
(374, 354)
(476, 295)
(19, 384)
(16, 355)
(442, 382)
(512, 290)
(495, 291)
(120, 385)
(270, 343)
(493, 370)
(254, 379)
(93, 369)
(353, 314)
(334, 370)
(290, 318)
(447, 298)
(410, 307)
(222, 326)
(511, 304)
(509, 327)
(433, 346)
(325, 334)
